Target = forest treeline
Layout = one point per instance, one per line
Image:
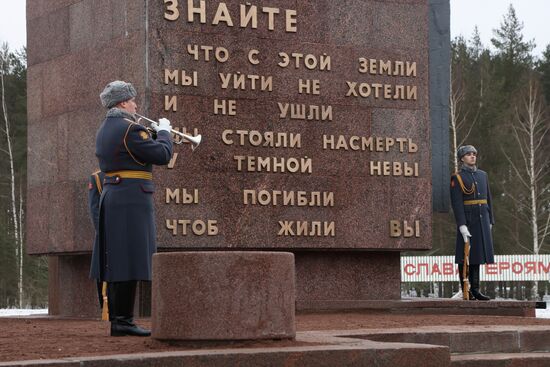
(500, 98)
(23, 278)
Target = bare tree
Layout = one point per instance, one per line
(459, 117)
(532, 200)
(15, 211)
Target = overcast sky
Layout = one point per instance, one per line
(465, 15)
(488, 15)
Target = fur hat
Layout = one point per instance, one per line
(465, 149)
(116, 92)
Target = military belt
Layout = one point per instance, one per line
(131, 174)
(475, 202)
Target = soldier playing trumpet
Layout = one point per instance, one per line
(126, 235)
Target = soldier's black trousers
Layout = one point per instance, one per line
(121, 296)
(100, 293)
(460, 272)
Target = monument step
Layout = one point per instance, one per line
(469, 339)
(533, 359)
(426, 306)
(362, 354)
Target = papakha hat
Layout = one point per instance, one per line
(116, 92)
(465, 149)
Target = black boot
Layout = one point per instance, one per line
(121, 310)
(474, 279)
(123, 326)
(460, 272)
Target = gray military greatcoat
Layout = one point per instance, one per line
(126, 231)
(472, 206)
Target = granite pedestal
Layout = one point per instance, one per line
(223, 295)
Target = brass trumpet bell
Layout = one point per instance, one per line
(194, 140)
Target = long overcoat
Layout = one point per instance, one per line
(126, 228)
(477, 217)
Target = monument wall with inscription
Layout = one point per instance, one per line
(315, 124)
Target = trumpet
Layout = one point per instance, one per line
(194, 140)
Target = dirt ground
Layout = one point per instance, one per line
(45, 338)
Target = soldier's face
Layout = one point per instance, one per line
(469, 159)
(129, 105)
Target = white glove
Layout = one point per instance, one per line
(464, 232)
(163, 125)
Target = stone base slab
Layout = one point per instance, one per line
(432, 306)
(71, 292)
(214, 295)
(346, 275)
(437, 345)
(498, 346)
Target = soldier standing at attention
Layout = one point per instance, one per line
(473, 210)
(126, 234)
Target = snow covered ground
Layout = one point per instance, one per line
(5, 312)
(543, 314)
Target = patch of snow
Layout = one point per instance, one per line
(8, 312)
(543, 313)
